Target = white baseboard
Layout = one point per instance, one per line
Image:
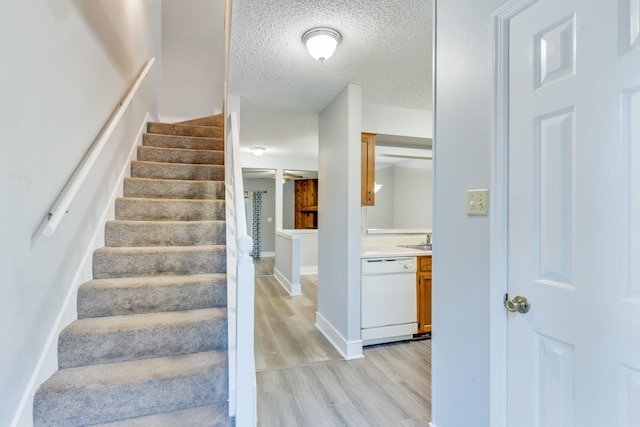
(293, 289)
(432, 425)
(348, 349)
(48, 361)
(267, 254)
(309, 269)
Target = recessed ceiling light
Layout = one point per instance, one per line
(257, 151)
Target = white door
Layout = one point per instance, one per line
(574, 213)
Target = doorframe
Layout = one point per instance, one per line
(499, 207)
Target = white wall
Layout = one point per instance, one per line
(460, 354)
(288, 205)
(193, 70)
(413, 186)
(390, 120)
(381, 214)
(405, 199)
(65, 67)
(338, 315)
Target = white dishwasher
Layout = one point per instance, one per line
(388, 299)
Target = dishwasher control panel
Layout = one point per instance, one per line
(389, 265)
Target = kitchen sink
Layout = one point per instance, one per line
(419, 247)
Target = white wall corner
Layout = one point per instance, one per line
(348, 349)
(293, 289)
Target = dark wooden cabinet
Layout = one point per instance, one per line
(368, 168)
(306, 204)
(423, 287)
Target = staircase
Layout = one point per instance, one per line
(149, 347)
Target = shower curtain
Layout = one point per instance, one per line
(255, 227)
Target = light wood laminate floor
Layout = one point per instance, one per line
(303, 381)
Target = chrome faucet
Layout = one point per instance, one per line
(427, 241)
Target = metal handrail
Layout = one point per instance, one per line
(63, 200)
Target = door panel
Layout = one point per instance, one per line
(553, 201)
(554, 382)
(574, 214)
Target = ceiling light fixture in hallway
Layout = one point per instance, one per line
(321, 42)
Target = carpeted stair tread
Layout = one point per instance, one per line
(137, 295)
(116, 391)
(179, 141)
(141, 336)
(173, 189)
(179, 171)
(150, 345)
(141, 209)
(215, 120)
(164, 233)
(216, 415)
(185, 130)
(158, 261)
(180, 155)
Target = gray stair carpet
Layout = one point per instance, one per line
(149, 347)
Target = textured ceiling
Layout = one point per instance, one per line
(385, 48)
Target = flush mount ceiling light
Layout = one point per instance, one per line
(321, 42)
(257, 151)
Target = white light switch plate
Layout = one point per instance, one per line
(477, 202)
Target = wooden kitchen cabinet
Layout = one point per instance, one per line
(306, 204)
(423, 287)
(368, 168)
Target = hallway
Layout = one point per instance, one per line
(303, 381)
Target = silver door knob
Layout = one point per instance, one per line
(518, 304)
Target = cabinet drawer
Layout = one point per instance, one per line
(424, 263)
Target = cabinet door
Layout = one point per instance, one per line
(306, 204)
(368, 169)
(424, 303)
(423, 286)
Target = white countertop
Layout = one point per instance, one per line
(390, 251)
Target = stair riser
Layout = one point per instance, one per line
(185, 142)
(143, 233)
(185, 130)
(162, 189)
(169, 210)
(107, 401)
(215, 120)
(216, 415)
(131, 264)
(169, 155)
(100, 300)
(102, 345)
(177, 171)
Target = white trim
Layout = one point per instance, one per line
(293, 289)
(348, 349)
(431, 424)
(389, 333)
(48, 361)
(267, 254)
(498, 390)
(308, 270)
